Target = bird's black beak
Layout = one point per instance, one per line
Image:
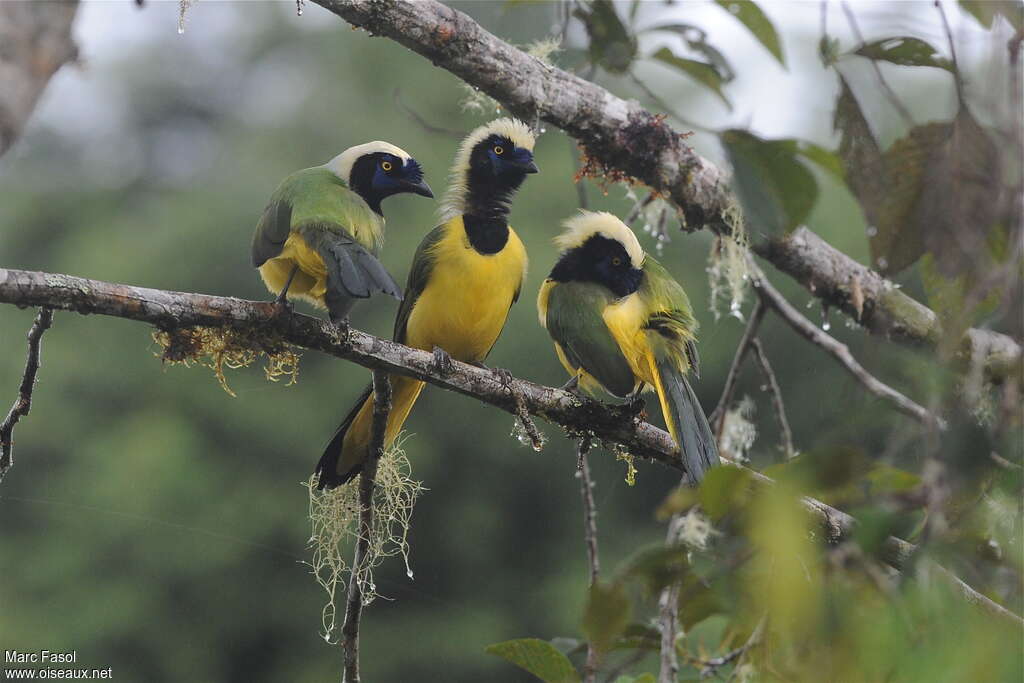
(524, 166)
(421, 188)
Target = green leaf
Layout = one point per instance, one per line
(538, 657)
(639, 636)
(697, 39)
(658, 566)
(612, 45)
(751, 16)
(776, 189)
(697, 602)
(606, 614)
(904, 51)
(826, 159)
(722, 487)
(985, 11)
(700, 71)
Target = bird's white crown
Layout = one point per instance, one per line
(513, 129)
(342, 164)
(586, 224)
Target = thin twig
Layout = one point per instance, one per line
(667, 109)
(23, 404)
(752, 642)
(422, 122)
(354, 606)
(668, 612)
(889, 92)
(809, 331)
(773, 387)
(590, 535)
(717, 418)
(639, 207)
(952, 52)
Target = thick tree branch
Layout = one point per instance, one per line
(23, 404)
(36, 41)
(613, 424)
(629, 141)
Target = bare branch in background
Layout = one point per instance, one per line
(809, 331)
(590, 535)
(889, 92)
(23, 404)
(668, 612)
(717, 417)
(776, 392)
(354, 606)
(422, 122)
(36, 40)
(612, 424)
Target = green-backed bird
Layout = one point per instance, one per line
(621, 322)
(465, 275)
(318, 237)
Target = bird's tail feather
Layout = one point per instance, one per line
(686, 420)
(343, 457)
(327, 469)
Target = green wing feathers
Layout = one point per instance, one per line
(419, 275)
(574, 320)
(271, 232)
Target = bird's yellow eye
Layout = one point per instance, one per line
(498, 149)
(616, 261)
(386, 165)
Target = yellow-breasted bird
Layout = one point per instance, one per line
(318, 237)
(465, 275)
(621, 322)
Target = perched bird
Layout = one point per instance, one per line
(621, 322)
(465, 275)
(318, 237)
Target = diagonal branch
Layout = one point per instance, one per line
(809, 331)
(23, 404)
(776, 392)
(612, 424)
(626, 141)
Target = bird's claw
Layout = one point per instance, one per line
(636, 405)
(442, 361)
(282, 306)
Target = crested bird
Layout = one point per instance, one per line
(319, 236)
(465, 276)
(621, 322)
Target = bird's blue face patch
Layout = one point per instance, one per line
(506, 157)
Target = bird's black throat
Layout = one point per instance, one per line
(486, 235)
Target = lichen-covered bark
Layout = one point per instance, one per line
(35, 41)
(623, 140)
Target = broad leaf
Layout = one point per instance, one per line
(658, 566)
(822, 157)
(776, 189)
(751, 16)
(905, 51)
(697, 40)
(723, 487)
(606, 614)
(538, 657)
(612, 45)
(700, 71)
(697, 602)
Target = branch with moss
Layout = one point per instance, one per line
(261, 324)
(621, 140)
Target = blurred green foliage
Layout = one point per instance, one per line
(158, 526)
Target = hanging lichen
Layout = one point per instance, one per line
(728, 269)
(219, 347)
(334, 518)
